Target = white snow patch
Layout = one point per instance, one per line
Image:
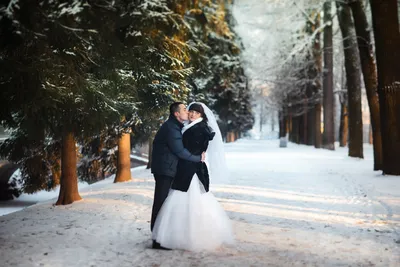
(74, 9)
(26, 200)
(139, 158)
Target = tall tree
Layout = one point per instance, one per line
(344, 114)
(387, 42)
(353, 74)
(370, 76)
(220, 79)
(123, 159)
(69, 179)
(317, 53)
(344, 121)
(328, 100)
(57, 61)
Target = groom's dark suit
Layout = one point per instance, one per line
(167, 150)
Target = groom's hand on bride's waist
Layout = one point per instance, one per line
(203, 156)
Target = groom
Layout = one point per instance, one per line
(167, 150)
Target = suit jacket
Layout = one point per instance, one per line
(168, 148)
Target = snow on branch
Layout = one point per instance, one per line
(78, 29)
(9, 10)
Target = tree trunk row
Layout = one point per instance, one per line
(69, 180)
(232, 136)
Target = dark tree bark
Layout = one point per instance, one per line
(301, 130)
(69, 179)
(282, 125)
(150, 152)
(370, 137)
(344, 124)
(311, 127)
(295, 130)
(305, 123)
(387, 42)
(370, 77)
(273, 121)
(318, 133)
(329, 128)
(124, 159)
(318, 85)
(291, 126)
(353, 72)
(230, 137)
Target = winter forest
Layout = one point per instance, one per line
(307, 98)
(328, 69)
(87, 80)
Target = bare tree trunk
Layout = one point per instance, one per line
(69, 179)
(328, 99)
(150, 152)
(281, 119)
(311, 127)
(282, 124)
(295, 130)
(370, 76)
(318, 133)
(273, 121)
(387, 42)
(56, 171)
(124, 159)
(344, 124)
(230, 137)
(352, 64)
(370, 138)
(287, 125)
(305, 122)
(318, 89)
(301, 129)
(290, 126)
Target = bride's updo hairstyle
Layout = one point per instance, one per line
(199, 108)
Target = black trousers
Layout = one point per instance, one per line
(163, 184)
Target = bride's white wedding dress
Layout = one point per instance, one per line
(192, 220)
(195, 220)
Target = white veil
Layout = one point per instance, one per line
(215, 154)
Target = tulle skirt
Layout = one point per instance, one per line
(192, 220)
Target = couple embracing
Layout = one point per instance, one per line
(188, 153)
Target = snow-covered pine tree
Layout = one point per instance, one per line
(55, 95)
(219, 80)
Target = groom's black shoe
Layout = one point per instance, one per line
(157, 245)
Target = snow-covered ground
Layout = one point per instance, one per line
(26, 200)
(295, 206)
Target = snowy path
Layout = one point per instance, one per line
(290, 207)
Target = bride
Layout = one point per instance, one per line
(191, 218)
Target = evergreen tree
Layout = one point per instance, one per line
(55, 94)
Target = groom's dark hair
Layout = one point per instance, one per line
(174, 107)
